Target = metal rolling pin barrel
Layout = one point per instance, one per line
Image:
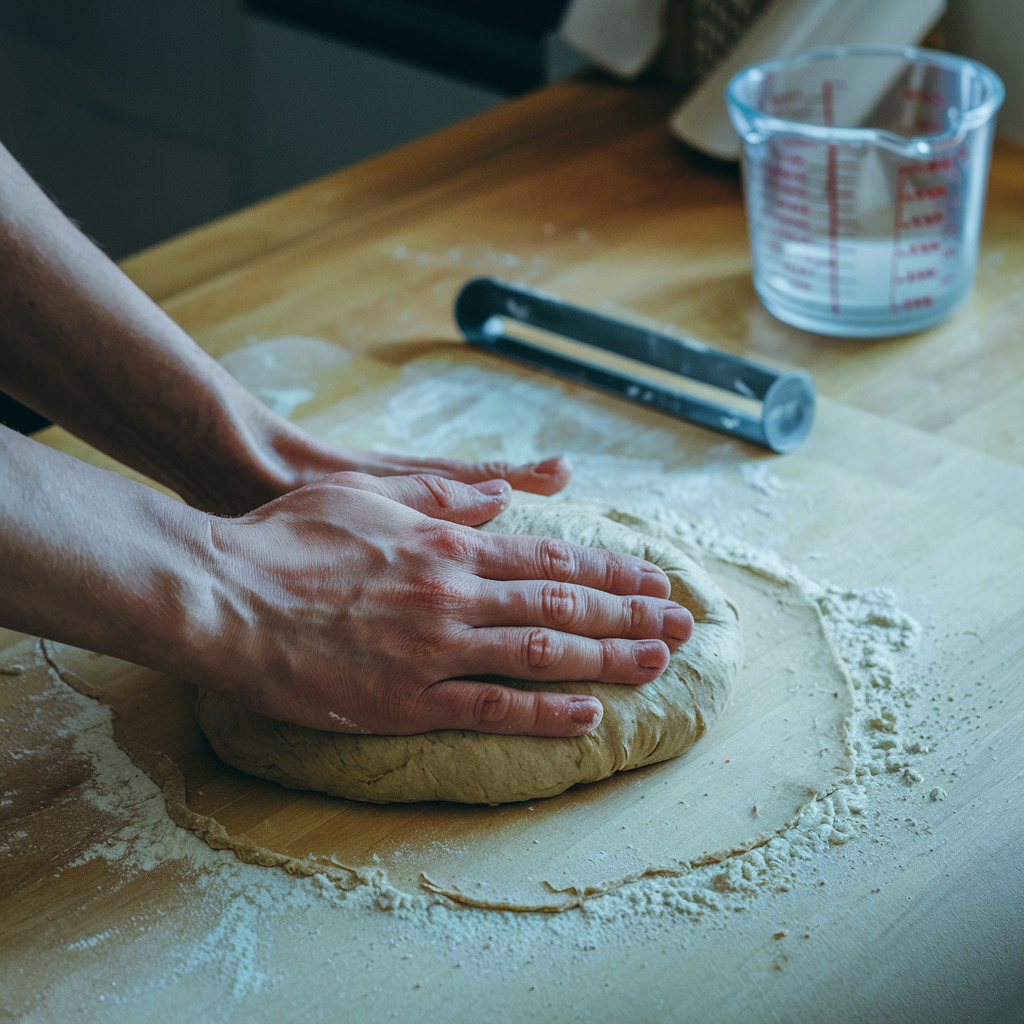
(487, 310)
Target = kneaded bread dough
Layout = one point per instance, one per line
(641, 725)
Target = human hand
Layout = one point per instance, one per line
(363, 604)
(547, 477)
(272, 457)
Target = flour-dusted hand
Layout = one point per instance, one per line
(341, 608)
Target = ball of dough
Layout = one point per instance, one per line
(641, 725)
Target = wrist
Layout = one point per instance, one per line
(100, 562)
(241, 455)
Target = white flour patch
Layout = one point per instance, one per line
(286, 373)
(91, 940)
(760, 478)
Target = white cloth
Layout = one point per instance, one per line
(787, 27)
(621, 36)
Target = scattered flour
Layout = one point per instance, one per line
(285, 373)
(631, 463)
(760, 478)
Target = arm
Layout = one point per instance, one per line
(347, 601)
(348, 604)
(85, 347)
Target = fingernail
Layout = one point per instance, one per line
(649, 654)
(552, 465)
(677, 622)
(586, 714)
(654, 583)
(495, 488)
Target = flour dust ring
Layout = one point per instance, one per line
(781, 740)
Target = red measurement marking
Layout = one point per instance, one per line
(800, 223)
(916, 275)
(942, 194)
(786, 97)
(927, 192)
(831, 184)
(790, 190)
(792, 268)
(930, 166)
(919, 249)
(924, 220)
(785, 175)
(795, 207)
(901, 172)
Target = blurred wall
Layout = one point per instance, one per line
(992, 31)
(143, 119)
(130, 114)
(314, 103)
(146, 117)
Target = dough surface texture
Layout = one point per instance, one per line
(641, 725)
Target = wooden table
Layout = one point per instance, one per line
(916, 477)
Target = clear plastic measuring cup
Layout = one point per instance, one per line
(865, 170)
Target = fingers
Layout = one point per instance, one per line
(516, 557)
(582, 610)
(547, 477)
(435, 496)
(487, 707)
(548, 656)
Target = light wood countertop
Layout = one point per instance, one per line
(915, 481)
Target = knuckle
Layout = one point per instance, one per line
(493, 470)
(346, 478)
(614, 569)
(493, 704)
(607, 658)
(439, 490)
(452, 541)
(558, 559)
(442, 593)
(635, 616)
(541, 649)
(559, 604)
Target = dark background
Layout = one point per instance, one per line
(143, 118)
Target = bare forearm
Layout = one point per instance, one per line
(80, 343)
(94, 560)
(87, 348)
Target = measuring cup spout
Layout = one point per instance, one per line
(743, 121)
